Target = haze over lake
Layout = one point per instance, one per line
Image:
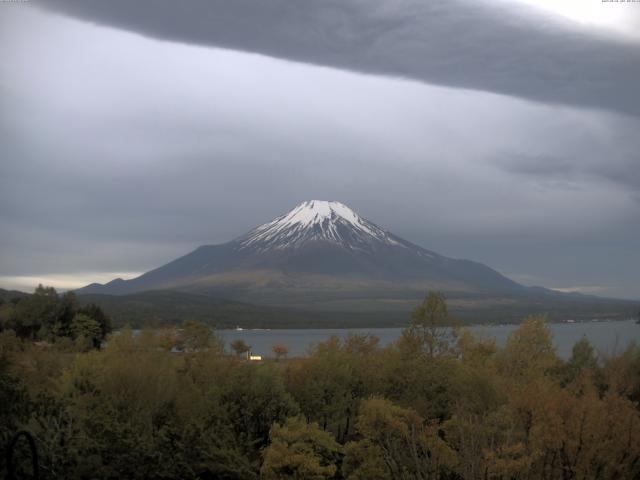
(606, 337)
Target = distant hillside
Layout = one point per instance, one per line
(163, 308)
(8, 295)
(158, 308)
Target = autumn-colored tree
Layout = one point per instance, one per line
(364, 460)
(622, 372)
(529, 351)
(476, 351)
(571, 435)
(409, 447)
(361, 344)
(280, 350)
(489, 445)
(300, 451)
(240, 347)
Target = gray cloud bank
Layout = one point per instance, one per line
(490, 46)
(119, 153)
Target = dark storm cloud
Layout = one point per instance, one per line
(491, 46)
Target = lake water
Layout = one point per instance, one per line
(606, 337)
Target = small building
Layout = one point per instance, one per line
(253, 358)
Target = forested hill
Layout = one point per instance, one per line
(8, 295)
(164, 307)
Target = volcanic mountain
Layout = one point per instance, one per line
(323, 264)
(319, 249)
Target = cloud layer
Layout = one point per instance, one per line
(121, 152)
(485, 45)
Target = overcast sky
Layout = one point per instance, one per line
(504, 132)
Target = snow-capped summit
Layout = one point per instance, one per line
(317, 220)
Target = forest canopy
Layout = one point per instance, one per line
(428, 406)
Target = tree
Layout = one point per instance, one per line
(86, 330)
(432, 326)
(489, 445)
(529, 351)
(363, 460)
(300, 451)
(240, 347)
(35, 315)
(361, 344)
(409, 448)
(196, 336)
(45, 315)
(329, 385)
(95, 312)
(280, 350)
(253, 397)
(583, 358)
(623, 372)
(476, 351)
(569, 435)
(62, 326)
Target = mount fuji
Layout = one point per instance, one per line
(318, 247)
(325, 261)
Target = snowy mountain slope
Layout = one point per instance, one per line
(318, 246)
(317, 220)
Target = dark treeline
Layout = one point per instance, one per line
(49, 317)
(437, 404)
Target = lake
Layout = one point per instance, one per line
(607, 337)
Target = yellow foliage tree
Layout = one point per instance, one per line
(300, 451)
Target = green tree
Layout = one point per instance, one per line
(62, 325)
(86, 330)
(300, 451)
(34, 316)
(431, 325)
(95, 312)
(330, 384)
(253, 398)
